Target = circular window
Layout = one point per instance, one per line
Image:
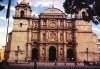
(69, 43)
(34, 42)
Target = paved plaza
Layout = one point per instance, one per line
(51, 66)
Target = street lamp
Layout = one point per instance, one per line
(87, 53)
(17, 52)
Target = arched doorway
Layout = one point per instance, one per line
(70, 55)
(52, 53)
(22, 13)
(34, 54)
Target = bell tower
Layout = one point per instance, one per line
(20, 33)
(23, 9)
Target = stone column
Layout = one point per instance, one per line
(25, 12)
(41, 22)
(30, 34)
(40, 53)
(29, 52)
(16, 12)
(46, 36)
(47, 22)
(64, 24)
(58, 53)
(41, 39)
(47, 53)
(58, 23)
(58, 36)
(64, 37)
(65, 52)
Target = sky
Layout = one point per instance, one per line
(37, 6)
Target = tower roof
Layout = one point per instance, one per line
(53, 10)
(24, 2)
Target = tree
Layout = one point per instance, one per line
(1, 7)
(1, 0)
(92, 9)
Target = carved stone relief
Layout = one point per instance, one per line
(53, 36)
(61, 36)
(53, 23)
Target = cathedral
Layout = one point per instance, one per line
(52, 36)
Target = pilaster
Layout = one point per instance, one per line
(29, 52)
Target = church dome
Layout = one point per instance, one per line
(52, 10)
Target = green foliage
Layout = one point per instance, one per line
(1, 0)
(92, 9)
(1, 7)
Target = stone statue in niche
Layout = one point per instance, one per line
(52, 36)
(61, 36)
(61, 51)
(44, 23)
(61, 23)
(43, 50)
(35, 35)
(44, 36)
(52, 23)
(69, 35)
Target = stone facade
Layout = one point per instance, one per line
(50, 37)
(98, 45)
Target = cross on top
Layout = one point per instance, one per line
(53, 4)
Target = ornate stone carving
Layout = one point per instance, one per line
(61, 36)
(53, 23)
(53, 36)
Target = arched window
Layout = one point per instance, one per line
(22, 13)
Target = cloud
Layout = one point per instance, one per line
(11, 8)
(4, 29)
(2, 40)
(37, 3)
(46, 3)
(3, 35)
(1, 46)
(96, 29)
(59, 4)
(4, 18)
(35, 13)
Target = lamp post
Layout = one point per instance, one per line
(87, 53)
(17, 52)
